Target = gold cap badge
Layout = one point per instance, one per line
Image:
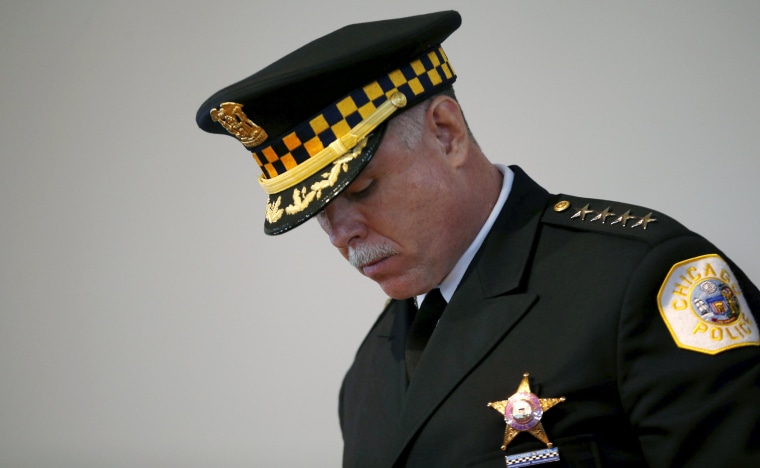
(231, 116)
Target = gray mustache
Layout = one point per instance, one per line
(367, 254)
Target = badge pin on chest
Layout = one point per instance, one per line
(523, 412)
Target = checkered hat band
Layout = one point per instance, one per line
(418, 78)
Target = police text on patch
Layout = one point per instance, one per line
(703, 306)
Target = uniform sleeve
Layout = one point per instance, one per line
(692, 401)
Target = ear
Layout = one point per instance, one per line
(449, 127)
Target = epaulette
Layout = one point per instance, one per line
(611, 217)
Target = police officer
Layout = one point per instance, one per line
(523, 327)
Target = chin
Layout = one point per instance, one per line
(398, 289)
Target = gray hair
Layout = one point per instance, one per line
(408, 126)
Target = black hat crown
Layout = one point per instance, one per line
(314, 119)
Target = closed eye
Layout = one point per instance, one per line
(357, 192)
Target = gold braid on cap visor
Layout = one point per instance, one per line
(340, 127)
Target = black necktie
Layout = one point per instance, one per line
(422, 327)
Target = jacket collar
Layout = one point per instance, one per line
(487, 304)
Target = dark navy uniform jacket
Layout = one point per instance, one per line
(575, 302)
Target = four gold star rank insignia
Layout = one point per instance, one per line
(522, 412)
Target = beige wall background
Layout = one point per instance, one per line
(145, 319)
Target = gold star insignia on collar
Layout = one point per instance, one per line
(523, 411)
(582, 213)
(603, 215)
(624, 218)
(644, 221)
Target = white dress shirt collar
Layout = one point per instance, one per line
(450, 283)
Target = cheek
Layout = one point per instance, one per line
(408, 222)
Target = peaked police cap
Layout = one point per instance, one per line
(314, 118)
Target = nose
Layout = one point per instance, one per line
(342, 222)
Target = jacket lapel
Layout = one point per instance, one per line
(378, 375)
(486, 305)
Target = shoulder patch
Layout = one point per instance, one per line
(703, 307)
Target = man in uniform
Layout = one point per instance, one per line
(551, 328)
